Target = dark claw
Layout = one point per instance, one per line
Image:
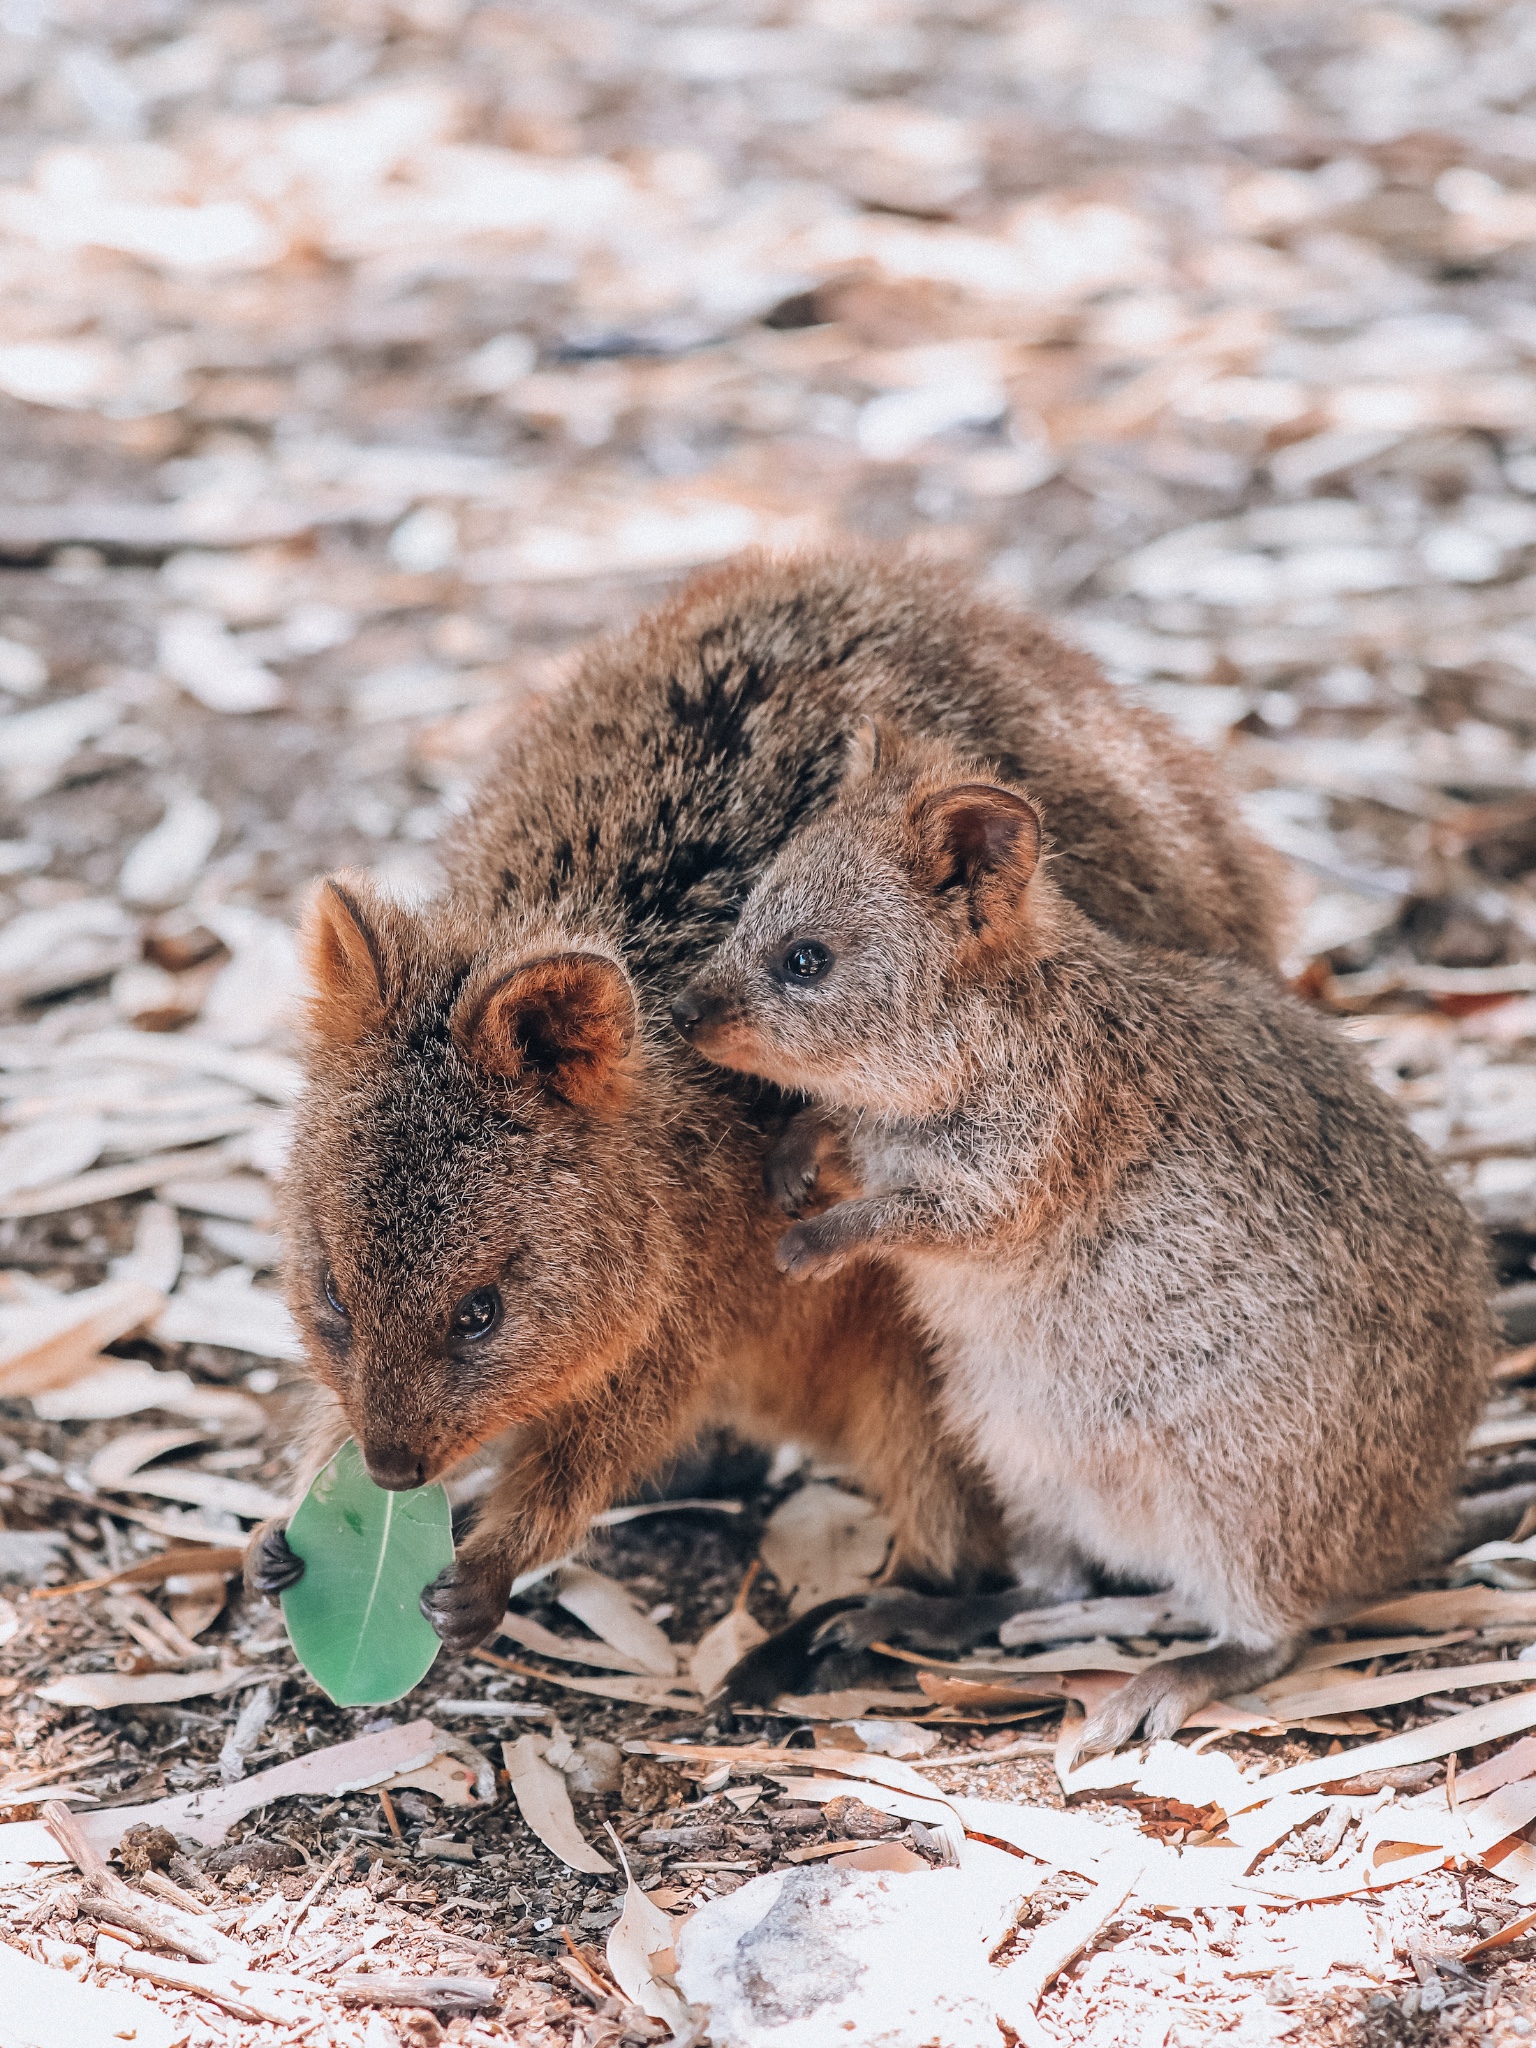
(464, 1608)
(803, 1253)
(275, 1567)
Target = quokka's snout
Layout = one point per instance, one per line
(396, 1467)
(713, 1022)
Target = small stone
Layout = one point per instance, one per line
(851, 1820)
(648, 1783)
(146, 1848)
(255, 1854)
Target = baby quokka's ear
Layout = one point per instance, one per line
(984, 841)
(344, 945)
(564, 1022)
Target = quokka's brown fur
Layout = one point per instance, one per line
(496, 1099)
(1203, 1309)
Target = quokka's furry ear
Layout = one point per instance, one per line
(980, 838)
(873, 744)
(344, 959)
(564, 1022)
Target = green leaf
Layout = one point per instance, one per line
(354, 1618)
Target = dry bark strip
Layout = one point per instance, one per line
(438, 1994)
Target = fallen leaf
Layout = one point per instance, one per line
(642, 1953)
(208, 1815)
(1325, 1656)
(644, 1692)
(720, 1648)
(532, 1635)
(1419, 1745)
(545, 1804)
(102, 1689)
(238, 1197)
(128, 1387)
(115, 1464)
(49, 1149)
(48, 1343)
(1474, 1607)
(1510, 1931)
(613, 1518)
(105, 1183)
(1502, 1430)
(822, 1543)
(230, 1310)
(458, 1775)
(355, 1618)
(852, 1703)
(1518, 1761)
(156, 1255)
(1350, 1695)
(610, 1612)
(213, 1490)
(873, 1856)
(162, 866)
(151, 1571)
(196, 1600)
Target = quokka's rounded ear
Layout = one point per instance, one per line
(873, 744)
(341, 944)
(983, 838)
(564, 1022)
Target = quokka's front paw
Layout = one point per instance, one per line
(465, 1604)
(792, 1168)
(804, 1254)
(272, 1567)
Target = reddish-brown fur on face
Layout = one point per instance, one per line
(627, 1230)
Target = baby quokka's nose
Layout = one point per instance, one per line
(693, 1009)
(394, 1467)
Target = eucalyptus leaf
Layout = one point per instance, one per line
(354, 1619)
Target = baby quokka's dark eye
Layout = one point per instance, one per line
(476, 1315)
(333, 1298)
(807, 960)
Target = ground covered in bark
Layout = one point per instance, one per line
(356, 360)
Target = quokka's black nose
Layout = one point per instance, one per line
(690, 1010)
(394, 1468)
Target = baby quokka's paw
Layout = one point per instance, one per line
(272, 1567)
(793, 1167)
(809, 1252)
(466, 1602)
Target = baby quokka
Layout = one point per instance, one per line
(1205, 1312)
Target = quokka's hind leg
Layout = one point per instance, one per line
(1159, 1701)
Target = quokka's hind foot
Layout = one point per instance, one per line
(1159, 1701)
(938, 1622)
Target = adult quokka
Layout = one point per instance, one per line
(521, 1217)
(1202, 1307)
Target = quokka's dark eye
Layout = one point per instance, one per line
(328, 1285)
(807, 960)
(476, 1315)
